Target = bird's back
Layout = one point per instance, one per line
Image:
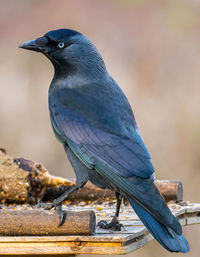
(93, 119)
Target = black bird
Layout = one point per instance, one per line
(93, 120)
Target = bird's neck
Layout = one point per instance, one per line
(62, 70)
(71, 76)
(73, 79)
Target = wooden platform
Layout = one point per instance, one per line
(133, 236)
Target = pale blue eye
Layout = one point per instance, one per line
(61, 45)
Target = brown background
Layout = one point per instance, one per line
(151, 48)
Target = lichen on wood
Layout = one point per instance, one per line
(13, 180)
(22, 180)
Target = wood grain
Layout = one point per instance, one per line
(170, 189)
(45, 222)
(24, 181)
(134, 235)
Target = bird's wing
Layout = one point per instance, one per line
(127, 156)
(121, 160)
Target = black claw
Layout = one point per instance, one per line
(103, 224)
(62, 215)
(118, 227)
(114, 225)
(49, 206)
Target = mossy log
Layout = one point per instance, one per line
(24, 181)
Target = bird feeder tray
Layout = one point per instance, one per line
(133, 236)
(28, 231)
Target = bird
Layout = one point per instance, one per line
(93, 120)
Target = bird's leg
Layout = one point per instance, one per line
(57, 203)
(119, 200)
(114, 224)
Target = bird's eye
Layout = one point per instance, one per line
(61, 45)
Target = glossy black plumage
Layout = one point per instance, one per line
(92, 118)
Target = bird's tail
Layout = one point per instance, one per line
(165, 236)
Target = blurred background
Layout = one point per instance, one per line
(151, 48)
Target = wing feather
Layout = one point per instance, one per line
(128, 156)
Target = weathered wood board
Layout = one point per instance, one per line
(40, 222)
(133, 236)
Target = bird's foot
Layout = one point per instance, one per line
(56, 206)
(114, 224)
(46, 206)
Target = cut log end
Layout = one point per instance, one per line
(172, 190)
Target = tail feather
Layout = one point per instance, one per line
(165, 236)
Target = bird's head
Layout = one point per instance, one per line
(67, 50)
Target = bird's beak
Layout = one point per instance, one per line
(38, 45)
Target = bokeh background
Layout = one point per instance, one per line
(151, 48)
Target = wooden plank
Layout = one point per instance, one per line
(193, 211)
(134, 236)
(138, 244)
(193, 220)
